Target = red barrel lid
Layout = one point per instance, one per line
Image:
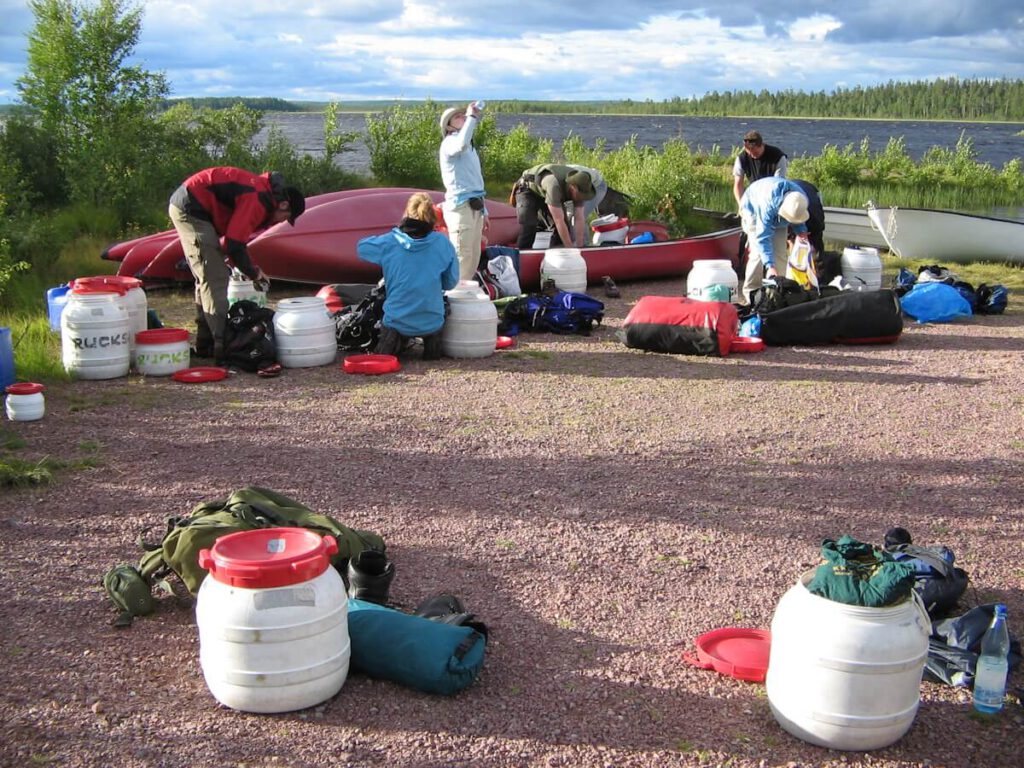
(25, 388)
(121, 282)
(268, 557)
(97, 284)
(371, 364)
(161, 336)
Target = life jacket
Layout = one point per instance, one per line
(533, 176)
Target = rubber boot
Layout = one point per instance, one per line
(204, 336)
(369, 576)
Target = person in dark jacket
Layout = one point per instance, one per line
(231, 203)
(756, 160)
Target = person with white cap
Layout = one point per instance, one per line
(767, 208)
(465, 214)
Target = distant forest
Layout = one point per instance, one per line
(944, 99)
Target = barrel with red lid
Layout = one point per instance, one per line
(161, 351)
(25, 401)
(273, 620)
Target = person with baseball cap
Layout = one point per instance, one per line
(767, 209)
(552, 185)
(231, 203)
(465, 213)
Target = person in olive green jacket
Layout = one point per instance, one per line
(552, 185)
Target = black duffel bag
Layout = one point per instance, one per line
(850, 317)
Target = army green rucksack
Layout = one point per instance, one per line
(244, 510)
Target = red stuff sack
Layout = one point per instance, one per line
(680, 326)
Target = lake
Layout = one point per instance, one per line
(994, 143)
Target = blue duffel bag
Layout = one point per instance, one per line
(414, 651)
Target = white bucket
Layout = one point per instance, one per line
(862, 268)
(130, 294)
(567, 267)
(25, 401)
(245, 289)
(273, 620)
(471, 328)
(711, 272)
(95, 335)
(161, 351)
(304, 333)
(609, 229)
(844, 676)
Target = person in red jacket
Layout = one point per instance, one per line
(231, 203)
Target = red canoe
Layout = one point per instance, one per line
(321, 247)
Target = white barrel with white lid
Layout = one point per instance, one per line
(95, 333)
(242, 288)
(471, 328)
(567, 267)
(862, 268)
(707, 273)
(846, 676)
(25, 401)
(304, 332)
(134, 298)
(161, 351)
(273, 620)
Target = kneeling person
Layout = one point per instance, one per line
(419, 264)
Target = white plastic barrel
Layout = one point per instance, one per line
(95, 334)
(161, 351)
(25, 401)
(273, 620)
(471, 328)
(706, 273)
(567, 267)
(243, 288)
(844, 676)
(304, 332)
(133, 297)
(862, 268)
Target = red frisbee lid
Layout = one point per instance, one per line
(746, 344)
(24, 388)
(161, 336)
(268, 557)
(200, 375)
(734, 651)
(371, 364)
(504, 342)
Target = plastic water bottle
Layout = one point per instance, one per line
(990, 676)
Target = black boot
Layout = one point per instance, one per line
(369, 576)
(204, 336)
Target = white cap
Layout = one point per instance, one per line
(794, 208)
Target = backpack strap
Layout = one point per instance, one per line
(928, 556)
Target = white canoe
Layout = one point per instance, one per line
(851, 226)
(938, 236)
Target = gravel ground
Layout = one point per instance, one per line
(598, 507)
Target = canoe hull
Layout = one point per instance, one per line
(851, 226)
(939, 236)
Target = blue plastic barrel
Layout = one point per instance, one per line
(56, 298)
(6, 359)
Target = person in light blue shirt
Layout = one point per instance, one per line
(419, 264)
(465, 214)
(767, 208)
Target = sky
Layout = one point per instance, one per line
(319, 50)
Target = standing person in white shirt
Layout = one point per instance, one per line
(465, 214)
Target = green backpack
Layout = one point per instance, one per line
(244, 510)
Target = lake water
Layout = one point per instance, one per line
(994, 143)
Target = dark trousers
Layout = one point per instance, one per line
(391, 342)
(528, 206)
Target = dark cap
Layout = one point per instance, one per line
(753, 137)
(584, 186)
(296, 203)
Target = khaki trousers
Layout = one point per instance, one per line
(201, 244)
(754, 277)
(465, 230)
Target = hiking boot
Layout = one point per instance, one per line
(369, 576)
(432, 347)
